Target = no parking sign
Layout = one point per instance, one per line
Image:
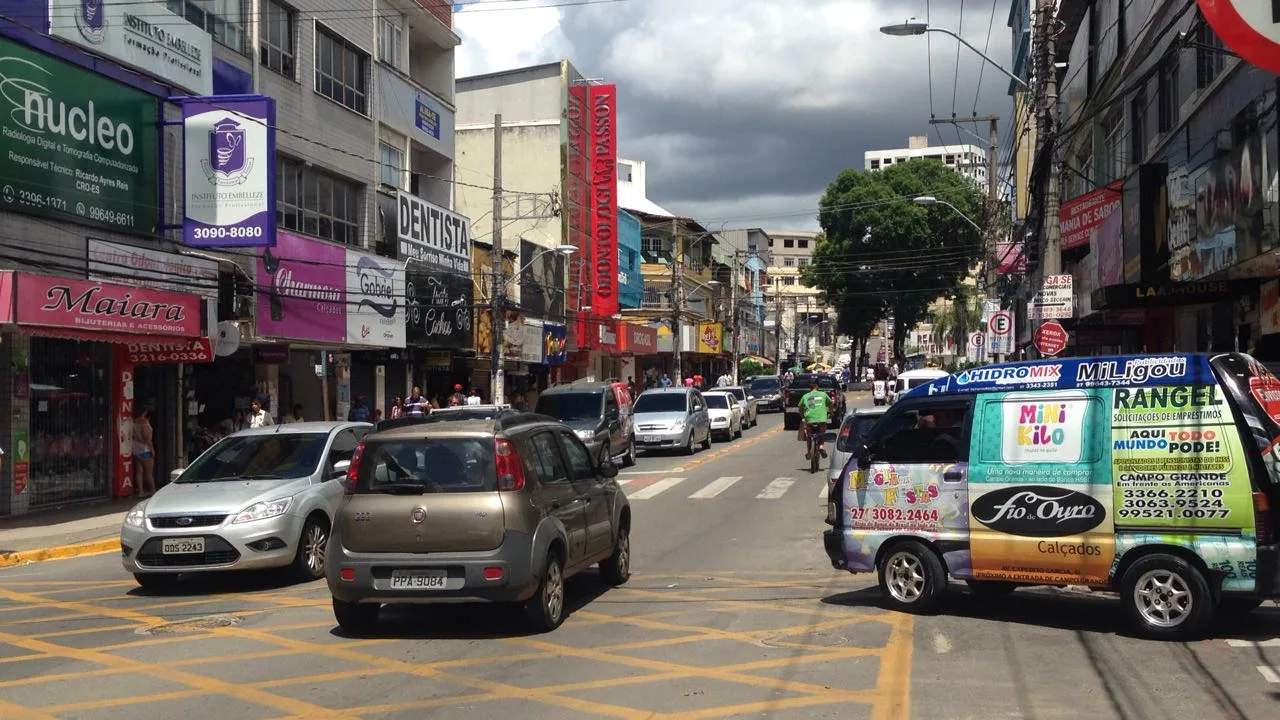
(1000, 332)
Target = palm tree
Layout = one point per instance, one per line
(956, 321)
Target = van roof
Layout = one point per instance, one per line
(923, 373)
(1070, 373)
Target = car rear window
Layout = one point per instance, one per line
(571, 406)
(442, 465)
(265, 456)
(738, 393)
(661, 402)
(765, 385)
(719, 401)
(854, 431)
(826, 382)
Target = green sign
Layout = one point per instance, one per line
(75, 145)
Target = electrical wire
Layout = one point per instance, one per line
(955, 83)
(982, 66)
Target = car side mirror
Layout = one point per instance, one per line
(175, 474)
(340, 469)
(608, 469)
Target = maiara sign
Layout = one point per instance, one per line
(142, 33)
(77, 147)
(603, 133)
(47, 301)
(229, 171)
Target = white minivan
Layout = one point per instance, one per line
(912, 379)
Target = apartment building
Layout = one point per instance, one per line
(968, 160)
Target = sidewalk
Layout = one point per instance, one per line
(62, 532)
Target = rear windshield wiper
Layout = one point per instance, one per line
(401, 489)
(261, 477)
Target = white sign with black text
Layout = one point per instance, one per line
(1056, 300)
(431, 235)
(156, 270)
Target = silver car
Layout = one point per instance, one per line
(853, 429)
(260, 498)
(671, 419)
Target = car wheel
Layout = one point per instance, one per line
(356, 618)
(629, 460)
(991, 588)
(689, 448)
(308, 563)
(739, 433)
(545, 610)
(706, 444)
(1166, 598)
(616, 569)
(156, 581)
(912, 578)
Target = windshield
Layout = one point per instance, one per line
(571, 406)
(765, 385)
(913, 383)
(854, 432)
(738, 393)
(449, 465)
(271, 456)
(718, 402)
(661, 403)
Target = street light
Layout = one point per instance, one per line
(499, 321)
(918, 28)
(565, 250)
(930, 200)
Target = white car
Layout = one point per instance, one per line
(727, 414)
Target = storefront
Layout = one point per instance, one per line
(638, 345)
(86, 357)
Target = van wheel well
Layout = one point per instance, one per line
(1132, 556)
(889, 544)
(555, 548)
(624, 520)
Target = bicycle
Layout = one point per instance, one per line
(816, 431)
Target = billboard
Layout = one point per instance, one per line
(603, 273)
(229, 171)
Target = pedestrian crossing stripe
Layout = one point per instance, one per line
(656, 489)
(775, 489)
(647, 488)
(716, 487)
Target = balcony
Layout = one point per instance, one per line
(443, 11)
(415, 112)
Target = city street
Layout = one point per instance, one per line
(733, 612)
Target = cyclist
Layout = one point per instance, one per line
(816, 407)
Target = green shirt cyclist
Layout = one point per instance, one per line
(815, 407)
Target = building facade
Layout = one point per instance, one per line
(968, 160)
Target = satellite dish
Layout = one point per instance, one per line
(228, 338)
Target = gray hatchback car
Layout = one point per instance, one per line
(500, 510)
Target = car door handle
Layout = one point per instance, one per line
(952, 476)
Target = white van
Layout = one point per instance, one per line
(913, 379)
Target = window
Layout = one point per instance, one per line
(652, 245)
(545, 459)
(624, 172)
(789, 262)
(802, 244)
(632, 260)
(789, 243)
(342, 72)
(317, 203)
(276, 49)
(790, 281)
(932, 433)
(444, 465)
(950, 160)
(1169, 99)
(1112, 165)
(389, 40)
(579, 459)
(875, 164)
(390, 165)
(1137, 136)
(1209, 55)
(770, 242)
(801, 262)
(223, 19)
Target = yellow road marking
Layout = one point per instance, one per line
(59, 677)
(19, 712)
(894, 682)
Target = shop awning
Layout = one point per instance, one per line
(1144, 295)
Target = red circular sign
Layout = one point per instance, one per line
(1249, 27)
(1051, 338)
(1000, 323)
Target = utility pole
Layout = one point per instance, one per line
(777, 325)
(497, 291)
(989, 277)
(677, 300)
(1046, 133)
(733, 315)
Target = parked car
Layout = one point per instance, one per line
(727, 415)
(912, 379)
(853, 430)
(750, 405)
(259, 498)
(672, 418)
(800, 387)
(599, 413)
(767, 390)
(445, 414)
(500, 510)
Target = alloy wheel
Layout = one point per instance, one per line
(553, 592)
(314, 548)
(1163, 598)
(905, 577)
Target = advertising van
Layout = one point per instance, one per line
(1155, 476)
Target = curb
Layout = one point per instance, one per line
(59, 552)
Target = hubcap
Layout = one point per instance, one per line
(555, 591)
(624, 554)
(904, 575)
(314, 548)
(1163, 598)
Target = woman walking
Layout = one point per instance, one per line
(144, 455)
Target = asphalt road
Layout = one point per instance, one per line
(733, 612)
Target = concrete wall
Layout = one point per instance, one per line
(527, 95)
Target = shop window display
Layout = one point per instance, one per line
(69, 395)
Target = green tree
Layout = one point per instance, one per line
(882, 253)
(956, 321)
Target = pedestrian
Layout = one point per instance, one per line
(360, 411)
(725, 379)
(297, 416)
(144, 454)
(457, 395)
(665, 381)
(397, 408)
(417, 404)
(258, 416)
(474, 397)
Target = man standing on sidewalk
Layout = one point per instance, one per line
(258, 417)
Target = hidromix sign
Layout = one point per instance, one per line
(77, 146)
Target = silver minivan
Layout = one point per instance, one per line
(672, 419)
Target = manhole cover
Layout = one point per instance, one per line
(198, 624)
(816, 639)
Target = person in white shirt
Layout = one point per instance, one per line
(257, 416)
(474, 397)
(725, 380)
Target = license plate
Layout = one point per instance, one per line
(793, 411)
(650, 439)
(182, 546)
(418, 579)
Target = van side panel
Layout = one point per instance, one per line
(1182, 478)
(887, 501)
(1040, 487)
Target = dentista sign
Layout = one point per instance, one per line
(81, 147)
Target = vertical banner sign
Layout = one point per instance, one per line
(229, 174)
(578, 198)
(122, 394)
(603, 274)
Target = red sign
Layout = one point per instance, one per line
(122, 404)
(197, 350)
(1082, 215)
(603, 273)
(6, 296)
(639, 339)
(47, 301)
(577, 182)
(1051, 338)
(1266, 390)
(1249, 27)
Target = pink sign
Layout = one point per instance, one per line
(1110, 250)
(46, 301)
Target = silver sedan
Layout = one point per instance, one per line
(260, 498)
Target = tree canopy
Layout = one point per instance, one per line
(882, 254)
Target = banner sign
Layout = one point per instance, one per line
(577, 200)
(438, 307)
(429, 234)
(144, 34)
(1056, 299)
(157, 270)
(375, 300)
(229, 171)
(1082, 216)
(198, 350)
(1066, 373)
(302, 290)
(555, 339)
(603, 132)
(532, 350)
(76, 146)
(58, 302)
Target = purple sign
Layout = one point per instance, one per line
(229, 171)
(302, 290)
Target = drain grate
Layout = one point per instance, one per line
(191, 625)
(815, 639)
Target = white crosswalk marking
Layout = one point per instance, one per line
(715, 487)
(1269, 673)
(655, 489)
(623, 482)
(776, 489)
(822, 492)
(1238, 643)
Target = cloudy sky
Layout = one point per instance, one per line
(744, 110)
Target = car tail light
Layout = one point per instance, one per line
(493, 573)
(347, 574)
(1262, 518)
(844, 432)
(353, 472)
(510, 469)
